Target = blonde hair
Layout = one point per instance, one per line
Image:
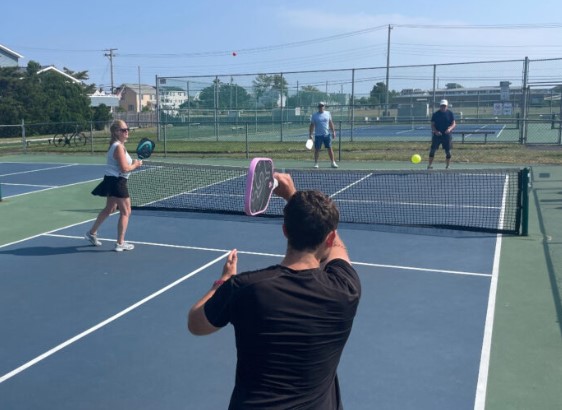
(114, 129)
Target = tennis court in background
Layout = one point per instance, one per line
(90, 328)
(360, 131)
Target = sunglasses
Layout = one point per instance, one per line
(124, 129)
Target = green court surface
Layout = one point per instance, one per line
(526, 350)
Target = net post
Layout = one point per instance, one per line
(524, 178)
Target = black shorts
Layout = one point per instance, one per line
(112, 186)
(445, 140)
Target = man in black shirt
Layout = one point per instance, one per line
(442, 125)
(291, 320)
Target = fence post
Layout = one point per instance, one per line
(91, 138)
(339, 141)
(23, 138)
(524, 101)
(165, 135)
(247, 146)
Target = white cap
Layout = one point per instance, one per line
(321, 103)
(444, 102)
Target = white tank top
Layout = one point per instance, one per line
(112, 166)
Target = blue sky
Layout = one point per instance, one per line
(181, 38)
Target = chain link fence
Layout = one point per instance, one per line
(512, 101)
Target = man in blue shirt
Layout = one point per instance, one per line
(321, 124)
(442, 125)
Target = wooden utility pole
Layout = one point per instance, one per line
(111, 53)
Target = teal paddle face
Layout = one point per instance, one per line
(145, 148)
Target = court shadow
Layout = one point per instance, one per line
(418, 230)
(210, 216)
(87, 211)
(277, 220)
(49, 250)
(549, 249)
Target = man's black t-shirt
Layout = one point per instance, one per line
(442, 120)
(291, 327)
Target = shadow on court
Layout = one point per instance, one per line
(48, 250)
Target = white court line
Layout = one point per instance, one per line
(454, 272)
(164, 245)
(194, 190)
(224, 254)
(38, 170)
(482, 384)
(31, 185)
(48, 232)
(350, 185)
(61, 346)
(198, 248)
(49, 188)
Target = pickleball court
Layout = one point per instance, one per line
(89, 328)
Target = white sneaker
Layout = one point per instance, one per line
(334, 165)
(92, 238)
(125, 246)
(316, 165)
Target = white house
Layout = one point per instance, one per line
(8, 58)
(100, 97)
(171, 98)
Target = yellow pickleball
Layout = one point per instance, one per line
(416, 159)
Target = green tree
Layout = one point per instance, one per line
(261, 84)
(227, 95)
(101, 115)
(280, 84)
(48, 98)
(452, 86)
(307, 96)
(269, 88)
(378, 94)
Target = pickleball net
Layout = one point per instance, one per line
(491, 200)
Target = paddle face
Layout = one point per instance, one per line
(145, 148)
(309, 144)
(259, 186)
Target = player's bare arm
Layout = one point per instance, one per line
(197, 322)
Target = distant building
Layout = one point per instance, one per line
(101, 97)
(129, 97)
(8, 58)
(171, 98)
(473, 97)
(56, 70)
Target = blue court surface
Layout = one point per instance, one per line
(419, 131)
(18, 178)
(85, 327)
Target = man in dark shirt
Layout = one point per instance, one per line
(442, 125)
(291, 320)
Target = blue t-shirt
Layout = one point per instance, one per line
(321, 121)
